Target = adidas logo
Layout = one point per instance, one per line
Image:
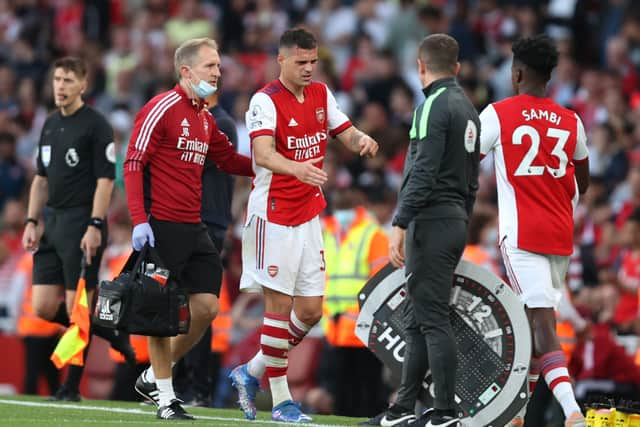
(166, 413)
(293, 122)
(185, 123)
(105, 310)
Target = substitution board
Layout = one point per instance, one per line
(492, 337)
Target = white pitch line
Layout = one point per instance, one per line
(67, 420)
(141, 412)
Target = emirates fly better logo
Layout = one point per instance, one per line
(306, 147)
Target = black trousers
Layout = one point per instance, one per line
(432, 251)
(37, 351)
(196, 374)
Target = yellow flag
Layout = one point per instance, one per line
(70, 348)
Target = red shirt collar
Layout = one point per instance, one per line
(198, 104)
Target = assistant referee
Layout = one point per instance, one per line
(74, 178)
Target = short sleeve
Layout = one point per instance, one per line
(43, 150)
(489, 130)
(582, 152)
(104, 152)
(261, 117)
(338, 121)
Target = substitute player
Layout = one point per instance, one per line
(541, 164)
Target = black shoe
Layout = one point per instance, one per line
(443, 421)
(375, 421)
(173, 412)
(147, 389)
(423, 419)
(397, 416)
(119, 342)
(65, 394)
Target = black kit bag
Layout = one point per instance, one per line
(138, 302)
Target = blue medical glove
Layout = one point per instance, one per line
(142, 233)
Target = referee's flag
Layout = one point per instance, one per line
(70, 348)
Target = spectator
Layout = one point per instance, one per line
(628, 276)
(13, 175)
(8, 102)
(189, 23)
(356, 248)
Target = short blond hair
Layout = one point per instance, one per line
(187, 52)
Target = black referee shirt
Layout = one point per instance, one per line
(73, 152)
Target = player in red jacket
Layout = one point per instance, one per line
(172, 136)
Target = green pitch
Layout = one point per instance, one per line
(19, 411)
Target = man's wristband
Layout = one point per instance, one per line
(32, 221)
(96, 222)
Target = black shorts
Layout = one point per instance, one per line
(57, 260)
(189, 254)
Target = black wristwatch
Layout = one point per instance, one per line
(31, 220)
(96, 222)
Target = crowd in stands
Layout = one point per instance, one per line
(367, 58)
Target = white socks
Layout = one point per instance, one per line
(165, 391)
(149, 376)
(554, 370)
(256, 365)
(279, 389)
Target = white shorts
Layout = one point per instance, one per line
(538, 279)
(283, 258)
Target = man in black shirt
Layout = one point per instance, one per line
(200, 366)
(74, 178)
(437, 195)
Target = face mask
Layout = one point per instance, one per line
(344, 217)
(203, 89)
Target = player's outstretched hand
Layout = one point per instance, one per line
(368, 146)
(309, 173)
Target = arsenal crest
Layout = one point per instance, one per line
(320, 114)
(272, 270)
